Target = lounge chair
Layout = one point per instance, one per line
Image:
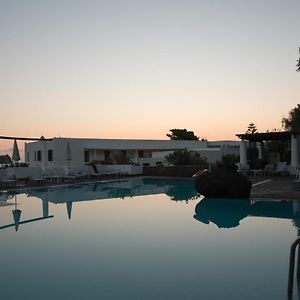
(269, 169)
(37, 178)
(243, 170)
(281, 168)
(8, 183)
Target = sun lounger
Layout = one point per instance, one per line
(269, 169)
(8, 183)
(281, 168)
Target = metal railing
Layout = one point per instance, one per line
(292, 267)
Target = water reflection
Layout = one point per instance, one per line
(176, 189)
(228, 213)
(16, 213)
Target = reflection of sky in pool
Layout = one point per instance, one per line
(143, 238)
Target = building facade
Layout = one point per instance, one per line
(62, 152)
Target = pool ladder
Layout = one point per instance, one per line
(292, 267)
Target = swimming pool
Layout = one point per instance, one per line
(143, 238)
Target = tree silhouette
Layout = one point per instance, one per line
(292, 122)
(185, 157)
(182, 134)
(251, 128)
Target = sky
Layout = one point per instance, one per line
(137, 68)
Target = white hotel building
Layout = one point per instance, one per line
(49, 154)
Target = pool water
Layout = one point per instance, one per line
(142, 238)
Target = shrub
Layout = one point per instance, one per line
(228, 161)
(184, 158)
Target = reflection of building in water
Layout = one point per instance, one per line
(228, 213)
(16, 213)
(176, 189)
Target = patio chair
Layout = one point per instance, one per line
(281, 168)
(243, 170)
(37, 178)
(269, 169)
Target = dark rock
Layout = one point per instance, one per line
(223, 183)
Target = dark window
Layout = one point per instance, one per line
(146, 164)
(123, 153)
(39, 155)
(107, 155)
(141, 154)
(158, 163)
(27, 155)
(86, 156)
(50, 155)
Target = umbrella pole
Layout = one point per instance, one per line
(16, 175)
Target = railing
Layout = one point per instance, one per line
(292, 266)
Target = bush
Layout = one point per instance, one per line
(186, 158)
(228, 161)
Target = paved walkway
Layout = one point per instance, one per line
(279, 187)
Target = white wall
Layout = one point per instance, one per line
(154, 150)
(34, 147)
(212, 155)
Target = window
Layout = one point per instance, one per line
(141, 154)
(107, 155)
(50, 155)
(39, 155)
(86, 156)
(27, 155)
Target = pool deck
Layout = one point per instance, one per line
(275, 187)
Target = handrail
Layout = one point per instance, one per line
(2, 137)
(292, 266)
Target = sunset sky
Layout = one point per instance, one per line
(135, 69)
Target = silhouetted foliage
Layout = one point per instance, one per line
(251, 129)
(118, 157)
(182, 134)
(228, 162)
(252, 151)
(184, 158)
(292, 122)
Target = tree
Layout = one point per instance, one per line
(185, 158)
(251, 128)
(292, 122)
(252, 151)
(182, 134)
